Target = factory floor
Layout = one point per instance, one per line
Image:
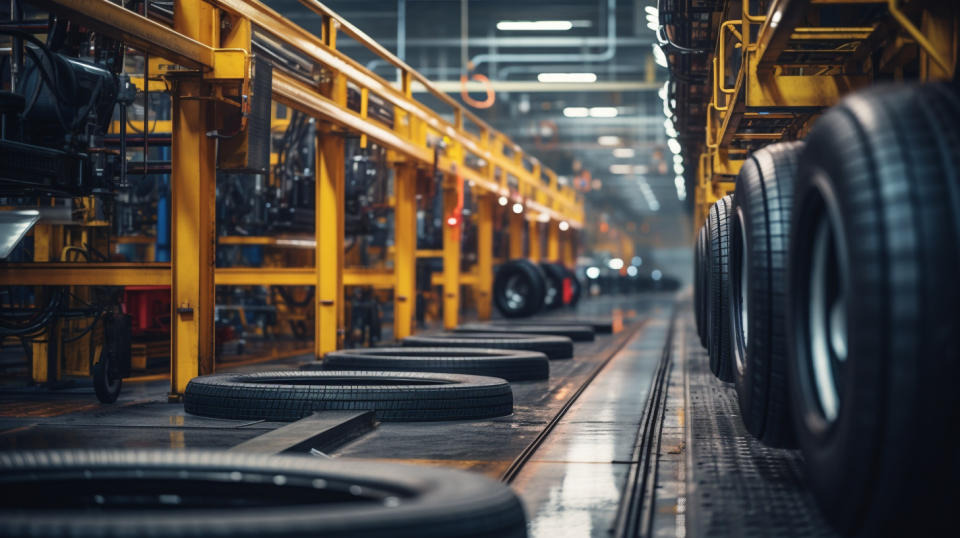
(631, 436)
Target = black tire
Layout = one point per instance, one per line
(555, 274)
(134, 493)
(872, 308)
(554, 347)
(106, 381)
(759, 239)
(394, 396)
(519, 289)
(576, 287)
(577, 333)
(599, 325)
(718, 254)
(503, 363)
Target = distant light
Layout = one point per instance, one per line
(615, 263)
(593, 272)
(651, 10)
(669, 128)
(603, 112)
(567, 77)
(620, 168)
(518, 208)
(632, 270)
(502, 200)
(609, 140)
(508, 26)
(678, 159)
(623, 153)
(659, 56)
(678, 168)
(656, 274)
(681, 186)
(674, 146)
(543, 217)
(564, 226)
(452, 221)
(576, 112)
(637, 260)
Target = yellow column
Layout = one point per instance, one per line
(533, 227)
(451, 256)
(329, 235)
(192, 211)
(484, 286)
(553, 241)
(405, 243)
(42, 241)
(516, 235)
(569, 248)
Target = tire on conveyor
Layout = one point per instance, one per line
(718, 319)
(598, 324)
(577, 333)
(554, 347)
(503, 363)
(394, 396)
(759, 238)
(872, 307)
(555, 275)
(134, 493)
(519, 288)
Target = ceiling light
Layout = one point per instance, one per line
(576, 112)
(678, 168)
(564, 226)
(567, 77)
(674, 146)
(518, 208)
(503, 201)
(620, 169)
(603, 112)
(593, 272)
(632, 270)
(615, 263)
(533, 25)
(659, 56)
(678, 159)
(609, 140)
(543, 217)
(651, 10)
(623, 153)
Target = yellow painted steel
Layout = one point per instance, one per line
(515, 235)
(329, 235)
(533, 237)
(483, 291)
(553, 241)
(451, 254)
(405, 257)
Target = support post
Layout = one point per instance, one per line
(451, 255)
(553, 241)
(328, 230)
(484, 285)
(193, 213)
(405, 257)
(43, 351)
(516, 235)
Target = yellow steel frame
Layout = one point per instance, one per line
(766, 88)
(216, 58)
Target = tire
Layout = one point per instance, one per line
(718, 270)
(133, 493)
(599, 325)
(577, 333)
(576, 287)
(554, 347)
(555, 275)
(759, 239)
(872, 310)
(106, 383)
(503, 363)
(519, 289)
(394, 396)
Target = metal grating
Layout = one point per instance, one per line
(735, 485)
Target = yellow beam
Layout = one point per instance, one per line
(483, 292)
(84, 274)
(451, 253)
(405, 246)
(533, 229)
(265, 276)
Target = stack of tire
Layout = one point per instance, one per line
(522, 288)
(827, 291)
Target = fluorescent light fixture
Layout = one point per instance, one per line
(603, 112)
(608, 140)
(656, 274)
(678, 159)
(632, 270)
(674, 146)
(535, 26)
(518, 208)
(678, 169)
(543, 217)
(593, 272)
(623, 153)
(651, 10)
(564, 226)
(681, 186)
(658, 56)
(615, 263)
(502, 200)
(662, 92)
(576, 112)
(567, 77)
(296, 243)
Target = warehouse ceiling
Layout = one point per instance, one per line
(567, 125)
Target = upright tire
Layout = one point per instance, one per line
(759, 238)
(718, 268)
(134, 493)
(873, 310)
(519, 289)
